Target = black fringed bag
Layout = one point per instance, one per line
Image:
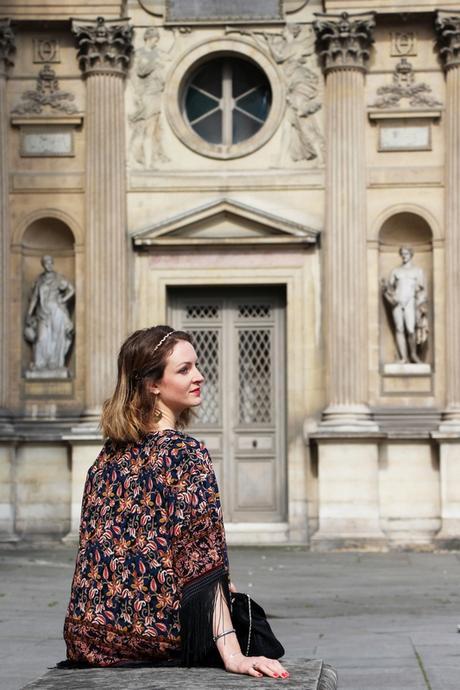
(254, 633)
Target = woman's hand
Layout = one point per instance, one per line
(255, 666)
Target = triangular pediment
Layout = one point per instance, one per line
(225, 221)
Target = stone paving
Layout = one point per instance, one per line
(385, 621)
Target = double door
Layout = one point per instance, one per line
(238, 334)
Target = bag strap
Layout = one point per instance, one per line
(250, 624)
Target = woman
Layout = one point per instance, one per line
(151, 579)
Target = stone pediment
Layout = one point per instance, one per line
(224, 222)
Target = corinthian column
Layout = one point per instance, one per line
(343, 43)
(104, 53)
(448, 27)
(6, 52)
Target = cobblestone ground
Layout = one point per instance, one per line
(385, 621)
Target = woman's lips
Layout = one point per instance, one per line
(196, 391)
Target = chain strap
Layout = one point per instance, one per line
(250, 624)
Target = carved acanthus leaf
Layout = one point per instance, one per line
(448, 27)
(104, 45)
(405, 87)
(7, 44)
(344, 40)
(47, 94)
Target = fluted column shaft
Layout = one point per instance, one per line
(104, 56)
(6, 51)
(448, 26)
(106, 244)
(345, 259)
(343, 43)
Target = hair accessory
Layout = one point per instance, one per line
(162, 340)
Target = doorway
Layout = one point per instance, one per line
(239, 336)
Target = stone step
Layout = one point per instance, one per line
(305, 674)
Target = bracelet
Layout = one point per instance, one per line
(222, 634)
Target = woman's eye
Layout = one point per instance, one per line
(184, 370)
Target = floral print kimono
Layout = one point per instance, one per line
(151, 557)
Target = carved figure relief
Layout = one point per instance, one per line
(150, 67)
(47, 94)
(404, 86)
(405, 293)
(48, 326)
(292, 49)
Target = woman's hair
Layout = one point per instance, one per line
(129, 413)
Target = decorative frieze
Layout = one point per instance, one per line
(343, 40)
(104, 45)
(448, 28)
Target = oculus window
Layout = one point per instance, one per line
(227, 100)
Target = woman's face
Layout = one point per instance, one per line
(180, 387)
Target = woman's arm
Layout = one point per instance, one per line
(230, 650)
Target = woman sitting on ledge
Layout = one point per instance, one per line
(151, 580)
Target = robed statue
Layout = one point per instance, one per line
(48, 327)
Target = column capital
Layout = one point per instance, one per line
(344, 40)
(7, 45)
(447, 25)
(104, 45)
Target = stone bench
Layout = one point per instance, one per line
(305, 674)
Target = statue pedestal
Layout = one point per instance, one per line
(61, 373)
(85, 443)
(406, 369)
(449, 452)
(348, 493)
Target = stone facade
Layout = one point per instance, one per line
(253, 176)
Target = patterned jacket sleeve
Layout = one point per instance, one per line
(199, 550)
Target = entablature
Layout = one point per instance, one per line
(57, 10)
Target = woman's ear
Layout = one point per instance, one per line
(152, 387)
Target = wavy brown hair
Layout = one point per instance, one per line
(128, 414)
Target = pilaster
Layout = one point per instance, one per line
(6, 62)
(105, 47)
(343, 43)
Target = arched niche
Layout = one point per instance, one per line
(405, 229)
(53, 237)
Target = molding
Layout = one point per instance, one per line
(259, 227)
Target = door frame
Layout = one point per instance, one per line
(305, 395)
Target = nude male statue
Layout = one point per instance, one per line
(405, 291)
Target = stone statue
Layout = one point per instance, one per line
(151, 62)
(291, 49)
(48, 325)
(405, 292)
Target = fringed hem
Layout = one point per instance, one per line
(197, 613)
(328, 679)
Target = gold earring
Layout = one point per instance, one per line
(157, 414)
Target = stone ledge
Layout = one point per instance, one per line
(305, 674)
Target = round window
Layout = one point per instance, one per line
(227, 100)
